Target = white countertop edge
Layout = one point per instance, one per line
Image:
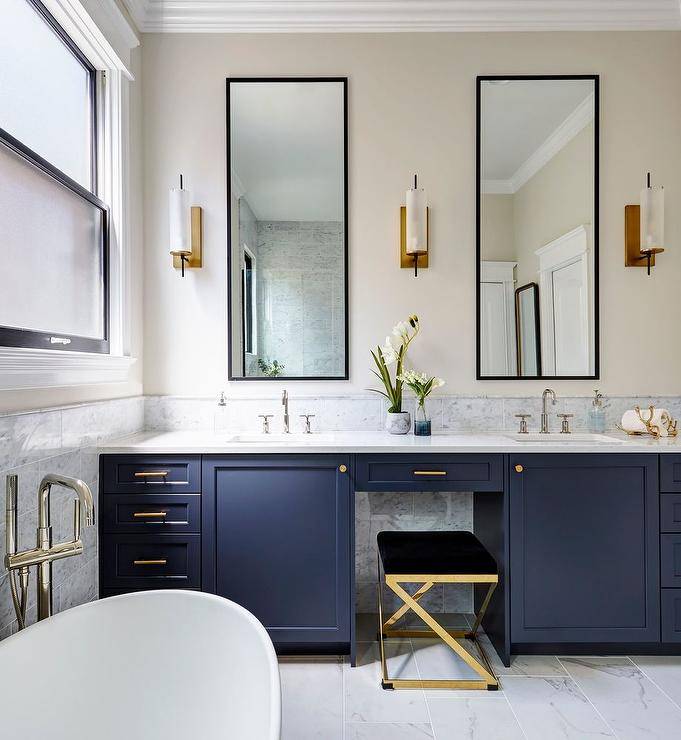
(218, 443)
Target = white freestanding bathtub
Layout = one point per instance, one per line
(155, 665)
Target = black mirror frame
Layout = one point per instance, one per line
(230, 359)
(596, 224)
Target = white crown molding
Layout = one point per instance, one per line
(40, 368)
(371, 16)
(580, 117)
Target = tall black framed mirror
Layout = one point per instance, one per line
(287, 162)
(537, 227)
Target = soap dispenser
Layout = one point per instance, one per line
(597, 414)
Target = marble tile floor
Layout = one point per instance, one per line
(541, 697)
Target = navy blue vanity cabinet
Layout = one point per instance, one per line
(280, 535)
(584, 548)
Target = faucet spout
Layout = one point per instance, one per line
(79, 487)
(545, 396)
(284, 402)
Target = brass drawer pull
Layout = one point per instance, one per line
(149, 562)
(149, 514)
(430, 472)
(519, 468)
(152, 474)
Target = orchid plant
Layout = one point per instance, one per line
(394, 352)
(421, 384)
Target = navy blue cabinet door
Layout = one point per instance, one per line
(584, 548)
(282, 534)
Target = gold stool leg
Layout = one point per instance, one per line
(482, 667)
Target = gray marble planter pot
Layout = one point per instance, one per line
(398, 423)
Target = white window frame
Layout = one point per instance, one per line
(22, 367)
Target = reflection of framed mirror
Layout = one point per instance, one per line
(537, 227)
(287, 228)
(528, 347)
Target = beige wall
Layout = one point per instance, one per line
(412, 109)
(496, 225)
(554, 201)
(44, 397)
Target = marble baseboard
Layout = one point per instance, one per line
(60, 440)
(366, 412)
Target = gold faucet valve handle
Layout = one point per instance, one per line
(565, 424)
(523, 422)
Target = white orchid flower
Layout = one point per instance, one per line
(389, 352)
(400, 329)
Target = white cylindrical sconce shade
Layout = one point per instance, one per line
(652, 219)
(179, 220)
(417, 221)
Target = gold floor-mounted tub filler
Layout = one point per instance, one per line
(428, 558)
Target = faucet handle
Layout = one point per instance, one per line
(307, 417)
(565, 424)
(523, 422)
(265, 422)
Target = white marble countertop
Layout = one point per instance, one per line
(232, 443)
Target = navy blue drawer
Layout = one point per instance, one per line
(670, 512)
(168, 561)
(670, 560)
(670, 473)
(151, 474)
(671, 615)
(156, 513)
(419, 472)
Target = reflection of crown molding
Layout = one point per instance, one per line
(497, 187)
(580, 117)
(349, 16)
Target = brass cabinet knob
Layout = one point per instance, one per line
(343, 468)
(518, 468)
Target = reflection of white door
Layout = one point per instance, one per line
(497, 319)
(566, 305)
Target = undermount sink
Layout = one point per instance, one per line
(277, 438)
(561, 439)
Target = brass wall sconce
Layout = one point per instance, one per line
(186, 230)
(414, 229)
(644, 228)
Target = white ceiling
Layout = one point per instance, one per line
(271, 16)
(288, 150)
(520, 117)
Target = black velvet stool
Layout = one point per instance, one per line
(428, 558)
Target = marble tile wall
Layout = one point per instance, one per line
(58, 440)
(366, 412)
(300, 295)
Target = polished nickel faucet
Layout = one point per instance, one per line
(284, 401)
(43, 555)
(548, 393)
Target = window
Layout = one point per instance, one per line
(53, 227)
(248, 288)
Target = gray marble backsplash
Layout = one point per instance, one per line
(366, 412)
(62, 441)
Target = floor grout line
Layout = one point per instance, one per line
(652, 681)
(423, 692)
(586, 696)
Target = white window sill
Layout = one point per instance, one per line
(21, 367)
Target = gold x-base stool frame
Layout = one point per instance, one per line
(487, 681)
